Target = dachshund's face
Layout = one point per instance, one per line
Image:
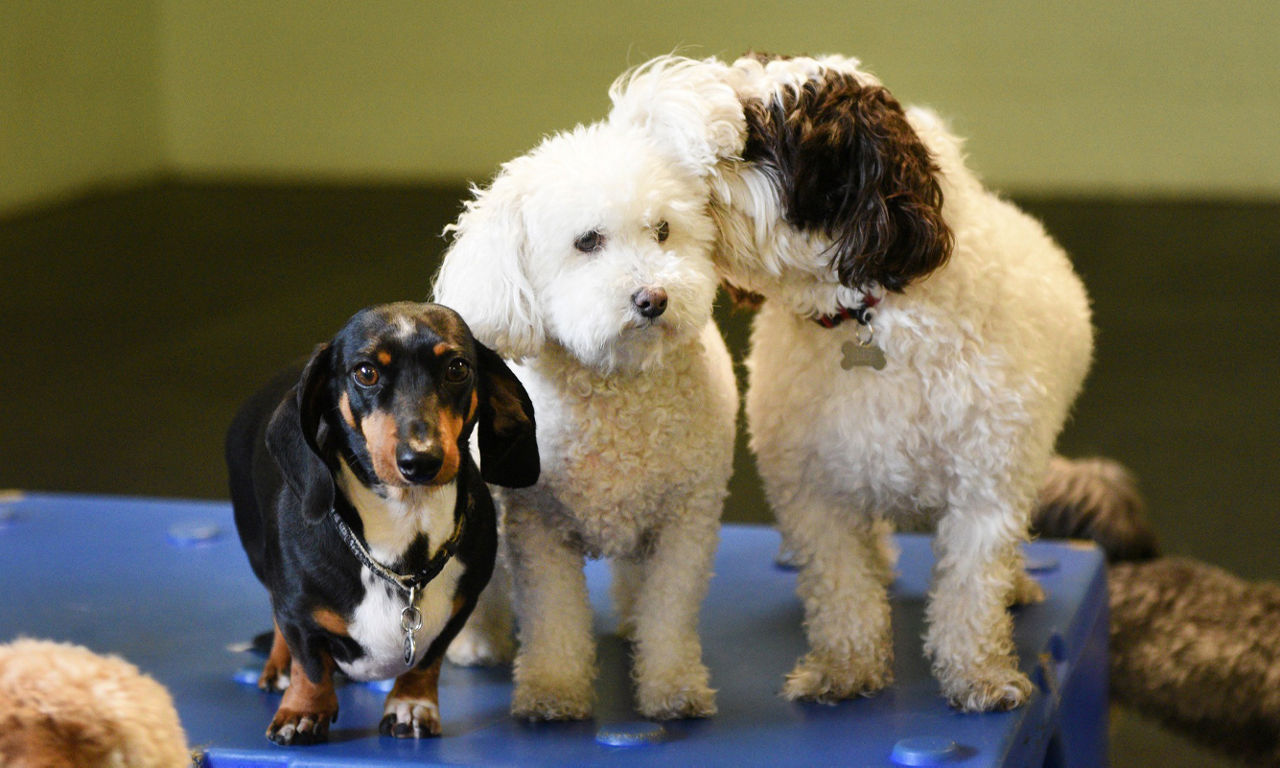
(403, 382)
(395, 396)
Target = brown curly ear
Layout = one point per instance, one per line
(848, 164)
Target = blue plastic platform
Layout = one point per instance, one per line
(165, 584)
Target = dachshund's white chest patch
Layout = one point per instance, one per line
(376, 626)
(390, 527)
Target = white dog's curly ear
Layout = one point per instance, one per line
(686, 104)
(483, 275)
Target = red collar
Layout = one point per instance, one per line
(862, 313)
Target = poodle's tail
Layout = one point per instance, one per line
(1097, 499)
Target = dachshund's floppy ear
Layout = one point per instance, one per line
(296, 432)
(508, 440)
(848, 163)
(483, 274)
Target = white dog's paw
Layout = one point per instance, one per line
(551, 700)
(994, 688)
(672, 697)
(825, 678)
(1026, 590)
(480, 648)
(410, 718)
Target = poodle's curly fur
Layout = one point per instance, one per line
(555, 265)
(63, 705)
(831, 197)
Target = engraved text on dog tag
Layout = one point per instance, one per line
(862, 355)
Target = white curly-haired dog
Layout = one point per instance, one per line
(588, 261)
(919, 346)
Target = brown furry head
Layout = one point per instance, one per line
(847, 164)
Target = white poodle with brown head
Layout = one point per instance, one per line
(919, 346)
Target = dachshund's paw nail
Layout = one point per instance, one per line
(410, 719)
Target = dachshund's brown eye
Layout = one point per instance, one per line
(365, 375)
(662, 231)
(590, 242)
(458, 370)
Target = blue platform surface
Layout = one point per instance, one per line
(166, 585)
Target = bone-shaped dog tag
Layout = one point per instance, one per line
(862, 356)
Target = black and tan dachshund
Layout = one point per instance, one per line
(365, 516)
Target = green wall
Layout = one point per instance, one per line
(1094, 96)
(78, 102)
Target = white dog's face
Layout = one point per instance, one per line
(613, 252)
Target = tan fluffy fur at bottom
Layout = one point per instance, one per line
(63, 705)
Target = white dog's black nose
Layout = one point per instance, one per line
(650, 302)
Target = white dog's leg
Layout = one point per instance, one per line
(970, 633)
(671, 680)
(886, 551)
(488, 639)
(846, 566)
(555, 663)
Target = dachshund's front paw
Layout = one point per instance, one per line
(410, 718)
(293, 727)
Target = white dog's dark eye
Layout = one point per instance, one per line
(662, 231)
(590, 242)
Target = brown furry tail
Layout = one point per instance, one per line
(1096, 499)
(1198, 648)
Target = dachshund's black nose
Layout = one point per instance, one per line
(650, 302)
(419, 466)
